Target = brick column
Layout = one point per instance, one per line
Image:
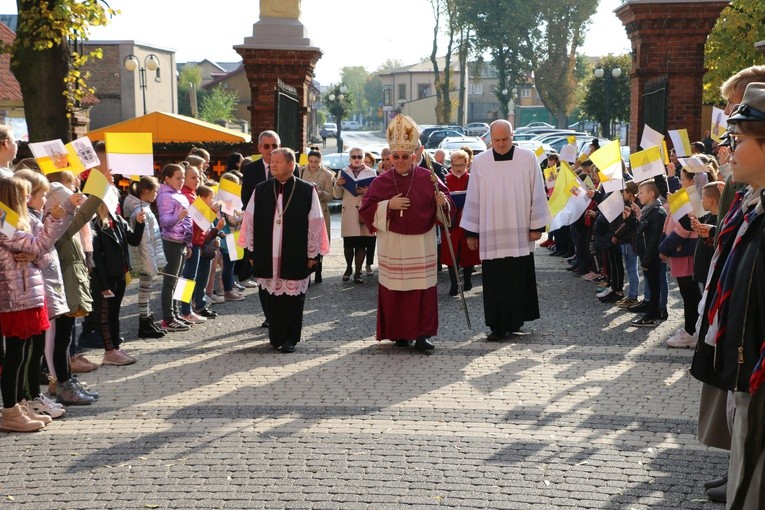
(668, 39)
(264, 68)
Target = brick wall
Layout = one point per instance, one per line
(668, 43)
(264, 68)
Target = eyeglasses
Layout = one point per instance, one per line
(459, 165)
(396, 157)
(270, 145)
(733, 140)
(356, 156)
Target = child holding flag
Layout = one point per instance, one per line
(148, 256)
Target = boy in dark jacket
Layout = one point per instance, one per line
(647, 239)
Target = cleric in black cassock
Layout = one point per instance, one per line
(284, 227)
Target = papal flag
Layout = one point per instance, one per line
(230, 193)
(650, 137)
(680, 204)
(608, 159)
(183, 290)
(569, 198)
(694, 165)
(719, 124)
(540, 153)
(9, 220)
(130, 153)
(53, 156)
(235, 252)
(681, 142)
(201, 214)
(646, 164)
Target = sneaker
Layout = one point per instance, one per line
(79, 364)
(590, 276)
(42, 405)
(250, 284)
(117, 358)
(611, 297)
(214, 299)
(50, 402)
(181, 320)
(233, 295)
(682, 341)
(194, 318)
(369, 269)
(626, 302)
(206, 313)
(640, 307)
(238, 286)
(26, 408)
(645, 322)
(603, 293)
(175, 326)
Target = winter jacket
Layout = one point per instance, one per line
(21, 284)
(110, 248)
(648, 234)
(50, 267)
(149, 256)
(71, 253)
(169, 205)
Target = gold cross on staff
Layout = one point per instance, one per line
(219, 168)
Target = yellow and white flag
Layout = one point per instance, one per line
(235, 252)
(9, 221)
(230, 193)
(608, 159)
(569, 198)
(551, 173)
(680, 142)
(646, 164)
(540, 154)
(612, 206)
(680, 204)
(130, 153)
(184, 289)
(694, 165)
(201, 214)
(97, 185)
(84, 151)
(53, 156)
(665, 152)
(650, 137)
(719, 124)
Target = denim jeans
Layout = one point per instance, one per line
(663, 287)
(631, 268)
(227, 271)
(190, 273)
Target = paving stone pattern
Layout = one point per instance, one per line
(587, 412)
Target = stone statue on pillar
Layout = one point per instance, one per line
(280, 9)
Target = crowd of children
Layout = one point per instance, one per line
(64, 255)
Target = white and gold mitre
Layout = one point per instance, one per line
(403, 134)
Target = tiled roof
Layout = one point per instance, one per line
(9, 87)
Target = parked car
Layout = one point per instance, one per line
(534, 145)
(425, 132)
(336, 161)
(328, 130)
(452, 143)
(476, 128)
(351, 125)
(438, 135)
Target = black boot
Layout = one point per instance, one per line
(467, 283)
(145, 329)
(155, 326)
(317, 278)
(453, 290)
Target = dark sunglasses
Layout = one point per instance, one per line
(356, 157)
(399, 156)
(270, 145)
(733, 140)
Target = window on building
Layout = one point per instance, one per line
(423, 90)
(525, 92)
(475, 89)
(388, 95)
(402, 91)
(157, 76)
(493, 89)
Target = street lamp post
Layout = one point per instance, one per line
(609, 77)
(336, 98)
(151, 62)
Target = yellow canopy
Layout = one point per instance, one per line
(170, 127)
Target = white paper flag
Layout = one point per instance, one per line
(612, 206)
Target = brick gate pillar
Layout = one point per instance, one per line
(278, 50)
(668, 38)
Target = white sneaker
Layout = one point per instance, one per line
(250, 284)
(194, 318)
(604, 292)
(233, 295)
(214, 299)
(683, 341)
(42, 405)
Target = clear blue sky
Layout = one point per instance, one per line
(380, 30)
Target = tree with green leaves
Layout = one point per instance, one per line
(506, 29)
(355, 78)
(730, 45)
(46, 63)
(609, 97)
(189, 78)
(562, 27)
(448, 11)
(218, 104)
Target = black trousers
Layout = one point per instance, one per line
(64, 326)
(691, 294)
(615, 268)
(652, 279)
(285, 318)
(105, 317)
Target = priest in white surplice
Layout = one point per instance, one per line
(505, 214)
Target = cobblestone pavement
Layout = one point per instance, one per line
(587, 412)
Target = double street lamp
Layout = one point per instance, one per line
(336, 99)
(151, 62)
(609, 78)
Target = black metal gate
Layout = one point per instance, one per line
(655, 104)
(287, 116)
